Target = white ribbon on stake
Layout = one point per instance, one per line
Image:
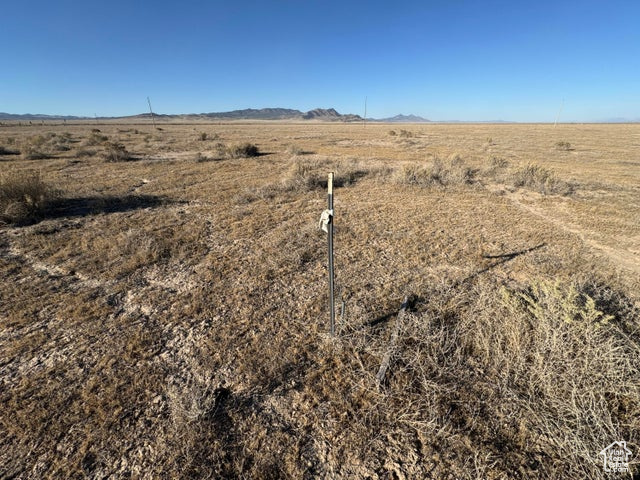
(325, 218)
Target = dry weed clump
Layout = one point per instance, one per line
(496, 169)
(293, 149)
(124, 252)
(116, 152)
(540, 179)
(564, 146)
(204, 136)
(46, 146)
(243, 150)
(305, 175)
(540, 377)
(85, 152)
(8, 151)
(440, 173)
(24, 197)
(95, 138)
(39, 147)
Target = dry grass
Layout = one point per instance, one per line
(437, 173)
(541, 180)
(116, 152)
(170, 319)
(24, 197)
(243, 150)
(8, 151)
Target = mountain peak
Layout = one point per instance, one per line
(405, 119)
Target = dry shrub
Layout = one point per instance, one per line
(564, 146)
(540, 179)
(440, 173)
(243, 150)
(498, 162)
(59, 143)
(34, 148)
(8, 151)
(31, 152)
(24, 197)
(201, 158)
(128, 250)
(496, 168)
(45, 146)
(305, 175)
(534, 379)
(293, 149)
(96, 138)
(116, 152)
(85, 152)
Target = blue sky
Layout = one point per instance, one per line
(444, 60)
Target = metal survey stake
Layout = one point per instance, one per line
(326, 224)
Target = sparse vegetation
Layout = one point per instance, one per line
(293, 149)
(24, 197)
(8, 151)
(540, 179)
(243, 150)
(96, 138)
(438, 173)
(85, 152)
(116, 152)
(138, 310)
(565, 146)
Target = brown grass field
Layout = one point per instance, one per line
(163, 311)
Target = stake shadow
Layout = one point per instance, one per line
(92, 205)
(500, 260)
(410, 306)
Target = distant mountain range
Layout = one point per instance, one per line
(402, 119)
(318, 114)
(36, 116)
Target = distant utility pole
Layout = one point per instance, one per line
(96, 117)
(365, 112)
(151, 111)
(559, 111)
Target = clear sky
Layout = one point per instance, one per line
(444, 60)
